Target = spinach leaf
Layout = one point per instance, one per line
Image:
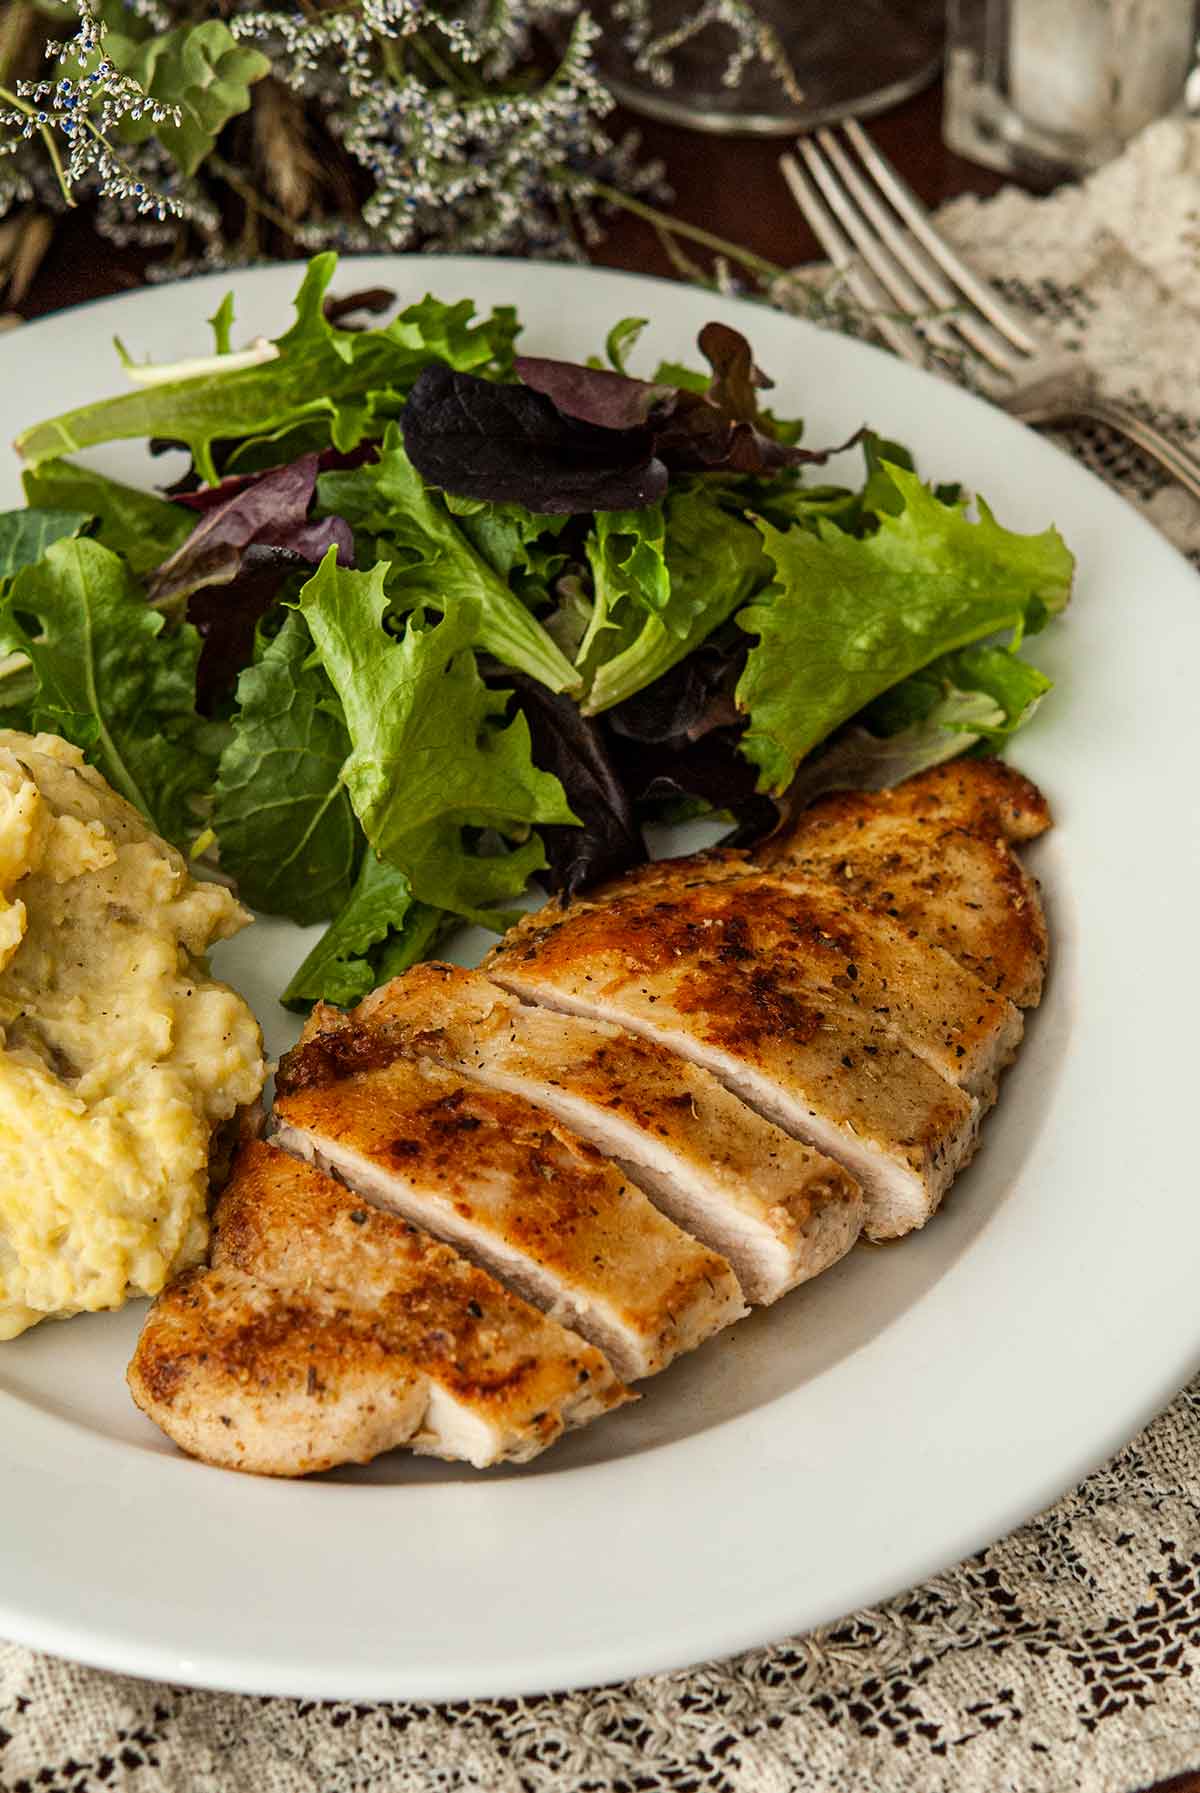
(378, 933)
(283, 817)
(113, 679)
(139, 525)
(25, 535)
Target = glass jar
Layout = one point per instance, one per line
(1046, 88)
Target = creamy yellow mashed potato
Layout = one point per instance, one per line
(119, 1054)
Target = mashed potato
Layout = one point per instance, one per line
(120, 1054)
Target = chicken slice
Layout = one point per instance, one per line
(780, 1212)
(829, 1077)
(842, 954)
(970, 793)
(935, 854)
(509, 1186)
(327, 1332)
(228, 1367)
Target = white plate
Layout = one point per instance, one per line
(908, 1407)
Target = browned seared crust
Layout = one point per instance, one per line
(933, 854)
(328, 1331)
(983, 794)
(228, 1367)
(809, 940)
(502, 1178)
(965, 892)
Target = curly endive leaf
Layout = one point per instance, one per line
(436, 767)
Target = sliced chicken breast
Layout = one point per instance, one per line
(778, 1211)
(227, 1367)
(829, 1077)
(509, 1186)
(327, 1332)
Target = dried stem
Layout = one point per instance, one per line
(757, 265)
(47, 135)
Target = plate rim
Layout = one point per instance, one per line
(114, 1649)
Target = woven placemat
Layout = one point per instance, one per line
(1064, 1656)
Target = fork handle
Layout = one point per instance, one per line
(1178, 462)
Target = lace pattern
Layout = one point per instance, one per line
(1067, 1655)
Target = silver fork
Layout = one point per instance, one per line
(923, 297)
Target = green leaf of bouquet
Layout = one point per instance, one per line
(200, 68)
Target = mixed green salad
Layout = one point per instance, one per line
(426, 618)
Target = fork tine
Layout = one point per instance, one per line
(974, 330)
(872, 250)
(913, 212)
(837, 246)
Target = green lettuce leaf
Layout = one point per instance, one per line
(846, 618)
(994, 673)
(25, 535)
(627, 553)
(620, 341)
(433, 563)
(113, 679)
(380, 932)
(519, 545)
(283, 817)
(348, 380)
(144, 528)
(713, 561)
(433, 766)
(857, 760)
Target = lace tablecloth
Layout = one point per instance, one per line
(1065, 1656)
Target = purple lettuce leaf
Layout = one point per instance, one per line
(510, 444)
(575, 748)
(721, 429)
(252, 534)
(610, 400)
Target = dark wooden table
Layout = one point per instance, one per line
(728, 186)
